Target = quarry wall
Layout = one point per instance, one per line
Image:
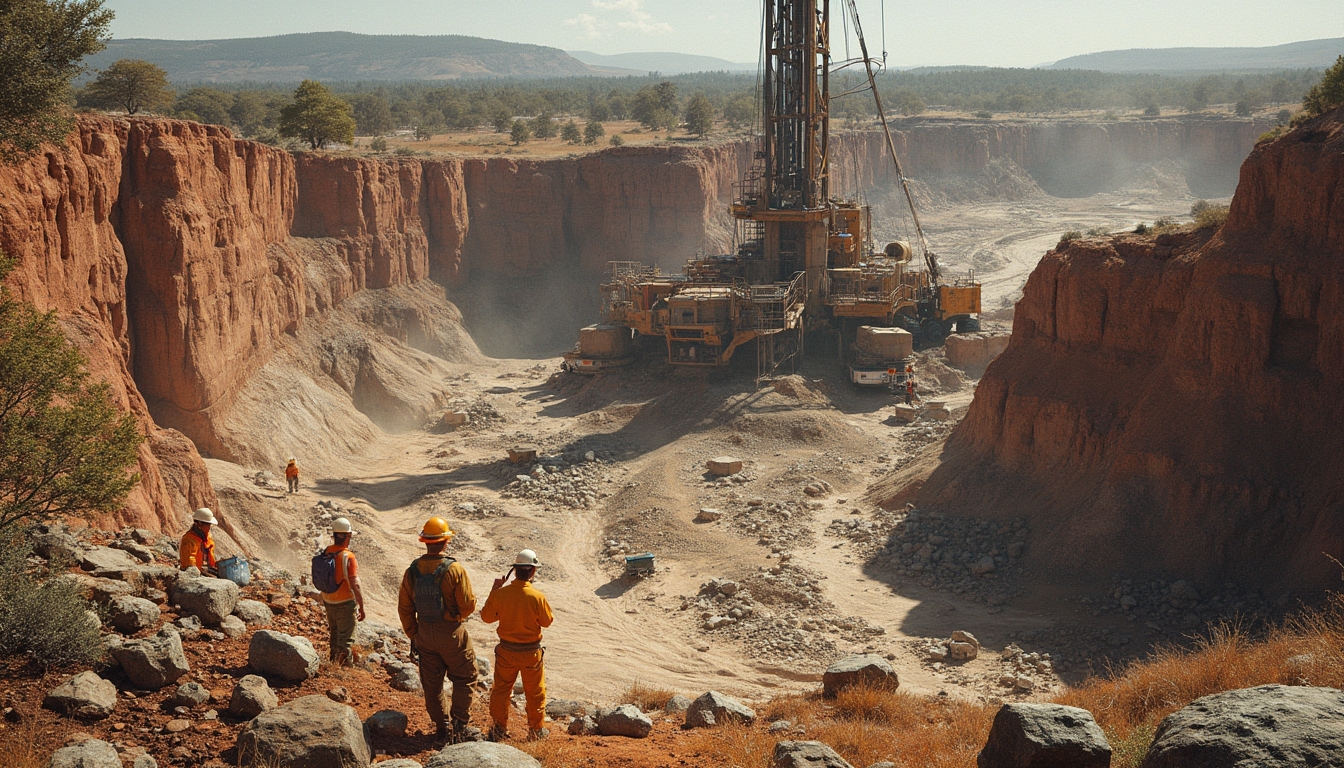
(1174, 404)
(181, 258)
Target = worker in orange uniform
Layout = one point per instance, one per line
(522, 612)
(434, 601)
(292, 476)
(197, 549)
(342, 603)
(910, 391)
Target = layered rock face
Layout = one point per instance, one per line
(1174, 404)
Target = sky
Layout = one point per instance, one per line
(1006, 33)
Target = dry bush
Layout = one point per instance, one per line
(1208, 215)
(558, 753)
(646, 697)
(20, 748)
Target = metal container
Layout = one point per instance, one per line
(637, 564)
(236, 569)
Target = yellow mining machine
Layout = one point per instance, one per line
(805, 259)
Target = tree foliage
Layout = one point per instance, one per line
(699, 115)
(543, 126)
(64, 449)
(520, 133)
(41, 45)
(132, 85)
(593, 132)
(317, 116)
(571, 133)
(373, 115)
(1327, 94)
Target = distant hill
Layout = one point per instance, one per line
(666, 63)
(1309, 54)
(345, 56)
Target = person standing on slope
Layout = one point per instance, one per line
(434, 601)
(292, 475)
(522, 612)
(197, 548)
(336, 576)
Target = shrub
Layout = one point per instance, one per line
(617, 141)
(47, 621)
(1283, 116)
(647, 697)
(1072, 234)
(1152, 110)
(1164, 225)
(1243, 109)
(1100, 231)
(985, 114)
(1208, 214)
(1142, 229)
(379, 144)
(1270, 135)
(1327, 94)
(404, 152)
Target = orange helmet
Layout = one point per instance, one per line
(436, 529)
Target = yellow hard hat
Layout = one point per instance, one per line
(436, 529)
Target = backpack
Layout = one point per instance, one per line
(324, 572)
(429, 605)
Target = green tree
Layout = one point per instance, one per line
(502, 120)
(740, 111)
(209, 105)
(1283, 117)
(571, 133)
(593, 132)
(655, 106)
(131, 84)
(64, 449)
(908, 103)
(543, 126)
(520, 133)
(317, 116)
(1327, 94)
(41, 45)
(616, 140)
(250, 111)
(699, 115)
(1242, 108)
(373, 115)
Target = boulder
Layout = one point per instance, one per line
(286, 656)
(138, 551)
(132, 614)
(87, 754)
(153, 662)
(232, 627)
(863, 669)
(105, 558)
(1261, 727)
(625, 720)
(959, 651)
(252, 696)
(94, 588)
(558, 708)
(713, 708)
(85, 696)
(402, 763)
(405, 677)
(1044, 736)
(806, 754)
(387, 724)
(308, 732)
(190, 695)
(708, 515)
(677, 704)
(210, 600)
(722, 466)
(482, 754)
(583, 726)
(56, 545)
(144, 761)
(254, 613)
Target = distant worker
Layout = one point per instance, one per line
(197, 549)
(292, 476)
(522, 612)
(910, 390)
(336, 576)
(434, 601)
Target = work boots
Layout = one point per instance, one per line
(463, 732)
(498, 733)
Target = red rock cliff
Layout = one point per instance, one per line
(1175, 405)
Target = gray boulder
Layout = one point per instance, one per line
(558, 708)
(94, 588)
(254, 613)
(232, 627)
(208, 599)
(105, 558)
(713, 708)
(1262, 727)
(482, 754)
(806, 754)
(1044, 736)
(85, 696)
(153, 662)
(677, 704)
(583, 726)
(285, 656)
(190, 695)
(87, 754)
(625, 720)
(308, 732)
(132, 614)
(138, 551)
(55, 545)
(863, 669)
(405, 677)
(145, 761)
(387, 724)
(252, 696)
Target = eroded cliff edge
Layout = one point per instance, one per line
(1174, 404)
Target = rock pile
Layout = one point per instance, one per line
(557, 482)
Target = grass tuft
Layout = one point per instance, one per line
(647, 697)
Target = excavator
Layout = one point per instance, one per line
(804, 259)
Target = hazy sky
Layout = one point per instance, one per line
(929, 32)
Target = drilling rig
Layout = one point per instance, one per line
(805, 260)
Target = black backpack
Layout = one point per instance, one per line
(429, 605)
(324, 572)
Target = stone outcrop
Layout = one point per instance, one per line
(308, 732)
(625, 720)
(288, 657)
(866, 669)
(1044, 736)
(153, 662)
(85, 696)
(713, 708)
(1185, 390)
(92, 753)
(806, 754)
(480, 754)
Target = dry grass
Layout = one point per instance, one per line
(19, 745)
(868, 725)
(646, 697)
(558, 753)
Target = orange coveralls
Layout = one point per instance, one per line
(196, 550)
(522, 612)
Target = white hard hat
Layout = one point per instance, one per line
(527, 557)
(204, 515)
(341, 525)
